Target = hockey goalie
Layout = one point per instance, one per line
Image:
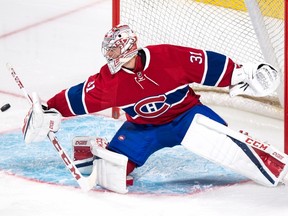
(152, 86)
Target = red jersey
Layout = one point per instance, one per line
(155, 92)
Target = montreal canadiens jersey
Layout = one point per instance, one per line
(155, 92)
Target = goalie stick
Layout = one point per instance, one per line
(86, 183)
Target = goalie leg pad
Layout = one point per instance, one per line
(230, 149)
(111, 169)
(274, 165)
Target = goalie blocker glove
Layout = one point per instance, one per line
(39, 122)
(254, 79)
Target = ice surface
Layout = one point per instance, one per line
(56, 43)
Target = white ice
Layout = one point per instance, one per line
(52, 54)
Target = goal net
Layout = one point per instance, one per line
(245, 30)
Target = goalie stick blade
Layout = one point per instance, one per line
(87, 183)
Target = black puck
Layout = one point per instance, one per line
(5, 107)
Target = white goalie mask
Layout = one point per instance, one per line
(121, 37)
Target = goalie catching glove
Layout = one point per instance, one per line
(254, 79)
(38, 122)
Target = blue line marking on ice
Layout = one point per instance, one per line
(171, 171)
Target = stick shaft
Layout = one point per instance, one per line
(19, 83)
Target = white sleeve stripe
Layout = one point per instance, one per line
(147, 53)
(223, 72)
(83, 97)
(205, 69)
(68, 102)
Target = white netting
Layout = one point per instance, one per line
(212, 25)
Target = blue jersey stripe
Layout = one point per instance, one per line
(176, 96)
(75, 99)
(214, 71)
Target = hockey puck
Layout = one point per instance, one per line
(5, 107)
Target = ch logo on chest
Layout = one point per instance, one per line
(152, 107)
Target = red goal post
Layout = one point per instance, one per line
(246, 30)
(115, 22)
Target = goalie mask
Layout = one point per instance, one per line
(119, 46)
